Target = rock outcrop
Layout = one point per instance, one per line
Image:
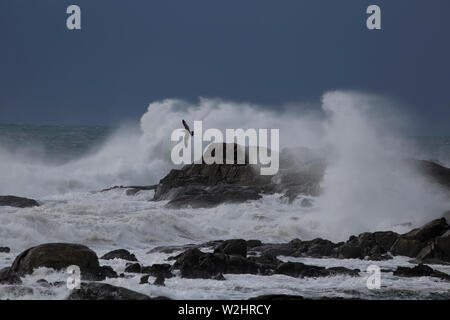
(420, 270)
(426, 242)
(104, 291)
(5, 249)
(17, 202)
(206, 185)
(119, 254)
(59, 256)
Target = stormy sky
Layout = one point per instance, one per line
(131, 53)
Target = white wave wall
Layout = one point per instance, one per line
(366, 186)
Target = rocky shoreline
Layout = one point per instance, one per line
(202, 185)
(215, 260)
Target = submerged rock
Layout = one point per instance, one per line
(8, 276)
(298, 269)
(5, 249)
(119, 254)
(17, 202)
(59, 256)
(420, 270)
(104, 291)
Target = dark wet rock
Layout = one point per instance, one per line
(268, 260)
(44, 283)
(159, 281)
(276, 249)
(379, 257)
(429, 231)
(5, 249)
(144, 279)
(103, 291)
(103, 273)
(133, 268)
(275, 297)
(58, 284)
(119, 254)
(420, 270)
(407, 247)
(17, 202)
(207, 185)
(207, 197)
(253, 243)
(436, 251)
(434, 171)
(131, 190)
(412, 243)
(443, 245)
(313, 248)
(7, 276)
(157, 270)
(219, 277)
(233, 247)
(367, 245)
(171, 249)
(446, 215)
(195, 264)
(153, 270)
(60, 256)
(298, 269)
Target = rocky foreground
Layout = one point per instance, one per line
(427, 245)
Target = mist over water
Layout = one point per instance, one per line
(366, 187)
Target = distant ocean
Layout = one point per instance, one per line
(66, 143)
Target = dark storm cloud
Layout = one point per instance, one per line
(130, 53)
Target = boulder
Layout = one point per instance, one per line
(104, 291)
(133, 268)
(206, 197)
(207, 185)
(276, 249)
(17, 202)
(233, 247)
(7, 276)
(371, 246)
(298, 269)
(420, 270)
(119, 254)
(315, 248)
(159, 281)
(412, 243)
(60, 256)
(158, 270)
(195, 264)
(443, 245)
(434, 171)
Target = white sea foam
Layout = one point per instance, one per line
(366, 186)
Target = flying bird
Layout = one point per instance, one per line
(188, 133)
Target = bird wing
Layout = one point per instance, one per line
(186, 125)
